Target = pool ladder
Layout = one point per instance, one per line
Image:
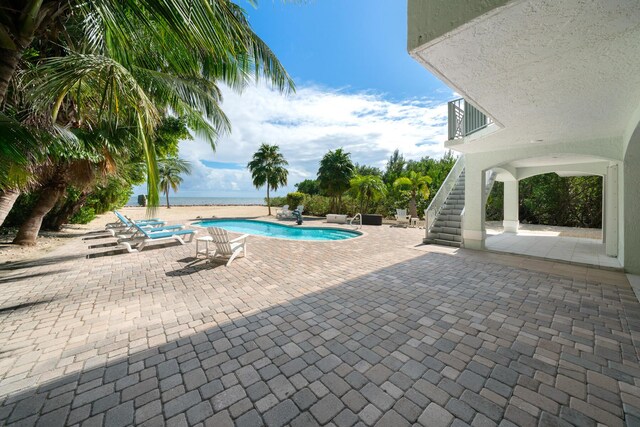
(358, 215)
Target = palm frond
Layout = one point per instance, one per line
(18, 145)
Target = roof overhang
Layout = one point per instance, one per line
(546, 71)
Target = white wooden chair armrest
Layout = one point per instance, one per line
(244, 236)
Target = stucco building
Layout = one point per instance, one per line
(547, 86)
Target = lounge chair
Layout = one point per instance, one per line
(127, 229)
(225, 247)
(283, 212)
(402, 218)
(300, 209)
(124, 225)
(145, 236)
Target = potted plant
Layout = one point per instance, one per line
(368, 189)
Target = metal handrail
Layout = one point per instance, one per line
(353, 219)
(431, 213)
(465, 119)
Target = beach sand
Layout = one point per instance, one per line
(48, 240)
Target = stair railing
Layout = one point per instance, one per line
(431, 213)
(358, 215)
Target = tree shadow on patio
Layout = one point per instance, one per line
(20, 277)
(24, 305)
(40, 262)
(387, 344)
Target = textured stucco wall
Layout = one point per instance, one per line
(430, 19)
(631, 208)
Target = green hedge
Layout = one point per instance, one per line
(295, 199)
(277, 201)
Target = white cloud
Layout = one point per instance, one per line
(306, 125)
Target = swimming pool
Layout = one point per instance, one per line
(272, 229)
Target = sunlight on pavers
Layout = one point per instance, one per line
(368, 331)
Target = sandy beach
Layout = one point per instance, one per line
(176, 214)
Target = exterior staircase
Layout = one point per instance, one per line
(447, 228)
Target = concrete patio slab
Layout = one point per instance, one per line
(550, 245)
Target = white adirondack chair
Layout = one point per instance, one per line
(284, 212)
(402, 218)
(225, 247)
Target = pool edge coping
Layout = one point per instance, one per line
(360, 233)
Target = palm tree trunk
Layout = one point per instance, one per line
(7, 199)
(8, 64)
(167, 194)
(66, 212)
(413, 209)
(28, 20)
(268, 200)
(28, 232)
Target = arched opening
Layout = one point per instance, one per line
(557, 216)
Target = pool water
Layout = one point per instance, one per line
(271, 229)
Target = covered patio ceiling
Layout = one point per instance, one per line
(546, 72)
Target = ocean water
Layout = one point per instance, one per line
(205, 201)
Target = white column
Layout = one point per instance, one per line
(473, 231)
(511, 207)
(610, 223)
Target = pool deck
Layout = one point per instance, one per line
(372, 331)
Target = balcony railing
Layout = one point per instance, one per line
(465, 119)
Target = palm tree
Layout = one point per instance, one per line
(170, 170)
(268, 167)
(415, 183)
(127, 61)
(367, 189)
(334, 175)
(120, 64)
(219, 28)
(65, 166)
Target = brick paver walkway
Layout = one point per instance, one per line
(360, 332)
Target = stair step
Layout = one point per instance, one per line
(444, 223)
(445, 231)
(442, 242)
(446, 217)
(445, 211)
(445, 236)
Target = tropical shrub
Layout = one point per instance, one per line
(276, 201)
(317, 205)
(416, 185)
(553, 200)
(84, 216)
(367, 189)
(294, 199)
(308, 186)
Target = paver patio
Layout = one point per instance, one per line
(362, 332)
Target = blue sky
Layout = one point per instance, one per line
(357, 88)
(355, 45)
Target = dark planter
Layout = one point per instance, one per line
(370, 219)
